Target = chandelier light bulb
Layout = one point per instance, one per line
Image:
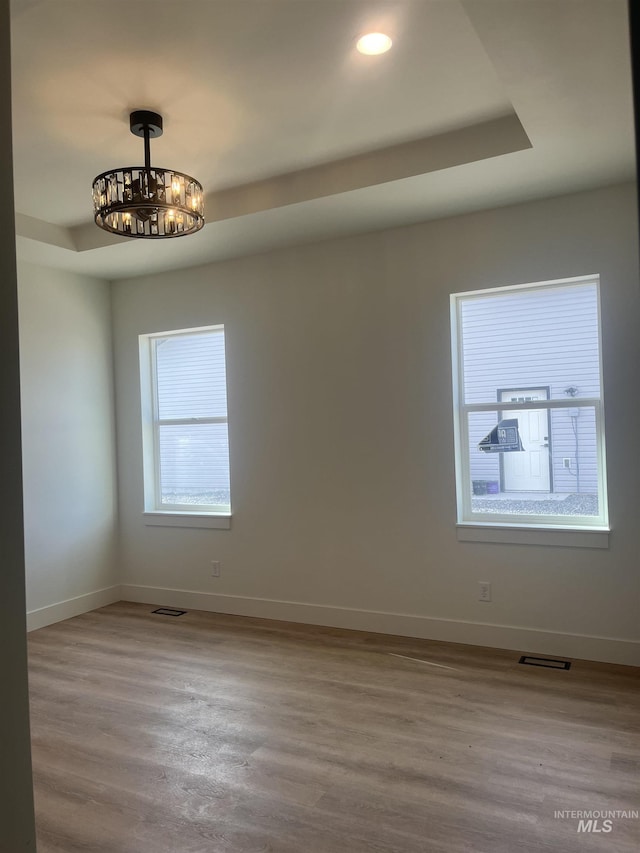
(373, 44)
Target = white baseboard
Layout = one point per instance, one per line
(42, 616)
(531, 641)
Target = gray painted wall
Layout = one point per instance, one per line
(68, 436)
(340, 424)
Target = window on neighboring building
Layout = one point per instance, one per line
(186, 445)
(528, 405)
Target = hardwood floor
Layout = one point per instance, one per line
(217, 734)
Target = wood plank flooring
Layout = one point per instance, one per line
(217, 734)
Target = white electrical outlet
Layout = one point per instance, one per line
(484, 591)
(215, 569)
(566, 462)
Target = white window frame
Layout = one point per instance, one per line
(155, 512)
(586, 531)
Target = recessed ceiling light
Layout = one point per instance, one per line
(374, 43)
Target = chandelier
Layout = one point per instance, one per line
(146, 201)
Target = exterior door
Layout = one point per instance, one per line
(528, 470)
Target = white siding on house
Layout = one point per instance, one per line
(529, 339)
(191, 383)
(191, 376)
(585, 475)
(545, 338)
(194, 462)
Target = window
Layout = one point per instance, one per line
(528, 410)
(184, 413)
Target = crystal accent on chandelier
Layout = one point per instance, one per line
(138, 202)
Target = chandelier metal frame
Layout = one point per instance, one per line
(147, 201)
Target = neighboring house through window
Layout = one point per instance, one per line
(185, 435)
(528, 405)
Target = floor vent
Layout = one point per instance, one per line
(550, 663)
(169, 611)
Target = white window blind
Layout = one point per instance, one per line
(189, 422)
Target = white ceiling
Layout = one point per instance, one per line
(295, 135)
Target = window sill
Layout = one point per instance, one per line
(187, 519)
(514, 535)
